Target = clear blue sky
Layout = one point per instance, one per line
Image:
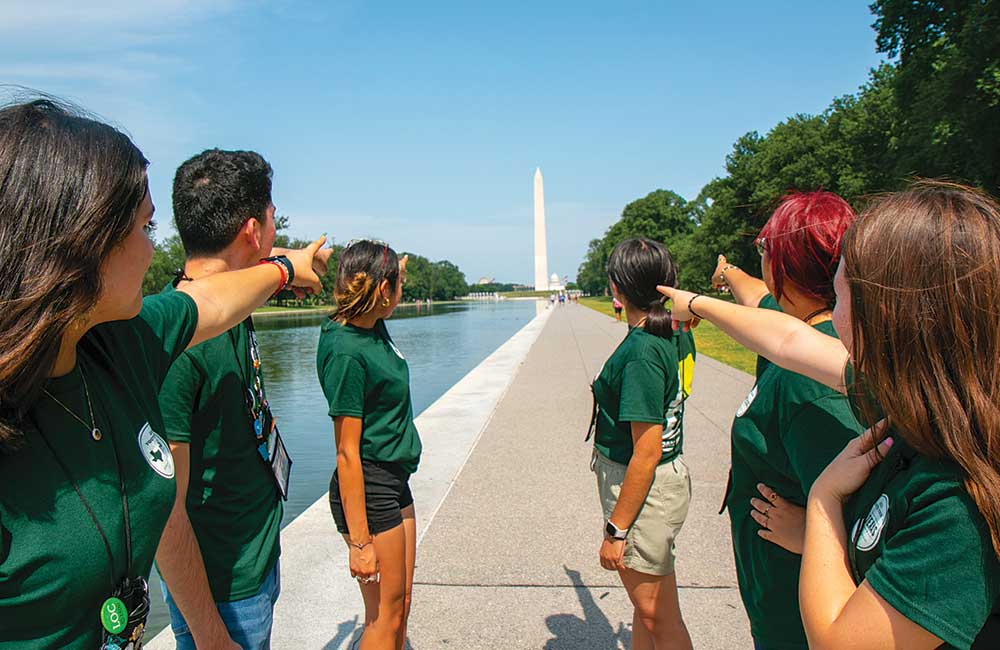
(422, 123)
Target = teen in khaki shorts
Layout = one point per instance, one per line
(642, 480)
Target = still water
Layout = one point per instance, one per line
(441, 343)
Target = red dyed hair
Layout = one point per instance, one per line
(803, 242)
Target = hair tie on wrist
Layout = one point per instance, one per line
(691, 308)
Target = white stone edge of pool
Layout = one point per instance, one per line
(320, 605)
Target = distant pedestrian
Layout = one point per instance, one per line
(618, 307)
(366, 381)
(638, 426)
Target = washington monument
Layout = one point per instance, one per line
(541, 252)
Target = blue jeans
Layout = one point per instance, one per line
(248, 620)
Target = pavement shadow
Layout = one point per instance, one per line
(348, 637)
(348, 631)
(593, 631)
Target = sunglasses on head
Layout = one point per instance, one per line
(377, 242)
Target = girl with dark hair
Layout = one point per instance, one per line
(638, 430)
(366, 381)
(789, 427)
(903, 527)
(88, 480)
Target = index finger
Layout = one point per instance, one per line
(870, 438)
(316, 245)
(669, 292)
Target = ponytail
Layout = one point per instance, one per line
(636, 266)
(658, 320)
(362, 267)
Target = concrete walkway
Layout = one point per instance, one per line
(511, 558)
(508, 516)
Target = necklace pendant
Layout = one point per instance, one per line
(96, 434)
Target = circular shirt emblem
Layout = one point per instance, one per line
(874, 523)
(747, 402)
(156, 452)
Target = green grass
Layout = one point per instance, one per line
(526, 294)
(708, 338)
(268, 308)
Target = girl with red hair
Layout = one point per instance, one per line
(789, 427)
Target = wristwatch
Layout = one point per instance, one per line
(614, 532)
(286, 264)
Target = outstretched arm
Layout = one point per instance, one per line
(747, 289)
(225, 299)
(783, 339)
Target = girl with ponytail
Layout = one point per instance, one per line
(642, 479)
(903, 526)
(366, 381)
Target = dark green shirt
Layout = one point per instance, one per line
(767, 302)
(54, 570)
(232, 499)
(646, 379)
(364, 375)
(785, 433)
(923, 546)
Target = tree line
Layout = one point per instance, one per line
(425, 279)
(931, 110)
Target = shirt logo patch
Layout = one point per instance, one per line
(396, 350)
(747, 402)
(873, 525)
(156, 451)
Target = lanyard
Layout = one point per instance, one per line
(90, 510)
(253, 381)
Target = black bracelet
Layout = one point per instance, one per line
(285, 262)
(691, 309)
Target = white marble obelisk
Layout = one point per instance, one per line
(541, 251)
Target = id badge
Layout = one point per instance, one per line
(123, 616)
(281, 463)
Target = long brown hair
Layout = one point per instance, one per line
(923, 267)
(69, 190)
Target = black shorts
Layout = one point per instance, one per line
(387, 492)
(618, 310)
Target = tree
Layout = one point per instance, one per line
(168, 257)
(948, 82)
(661, 215)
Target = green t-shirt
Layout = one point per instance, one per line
(646, 379)
(232, 499)
(54, 570)
(364, 375)
(923, 546)
(784, 435)
(767, 302)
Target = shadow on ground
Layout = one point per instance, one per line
(594, 630)
(350, 631)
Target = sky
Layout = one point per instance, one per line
(422, 123)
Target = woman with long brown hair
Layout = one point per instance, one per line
(903, 527)
(88, 481)
(366, 381)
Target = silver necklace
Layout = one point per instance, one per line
(95, 433)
